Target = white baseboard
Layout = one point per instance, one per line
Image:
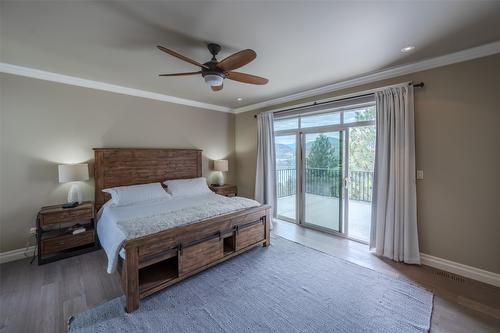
(15, 254)
(461, 269)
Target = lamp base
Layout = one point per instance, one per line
(221, 179)
(75, 194)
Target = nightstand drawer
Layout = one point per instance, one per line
(65, 242)
(227, 193)
(225, 190)
(66, 216)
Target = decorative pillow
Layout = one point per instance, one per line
(187, 187)
(126, 195)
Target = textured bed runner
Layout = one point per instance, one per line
(215, 206)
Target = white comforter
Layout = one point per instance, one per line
(117, 224)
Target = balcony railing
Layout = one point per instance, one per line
(326, 182)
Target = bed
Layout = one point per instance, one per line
(184, 235)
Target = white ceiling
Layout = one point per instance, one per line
(300, 45)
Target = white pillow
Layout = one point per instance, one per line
(187, 187)
(126, 195)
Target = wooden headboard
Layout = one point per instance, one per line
(129, 166)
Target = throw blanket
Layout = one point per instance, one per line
(215, 206)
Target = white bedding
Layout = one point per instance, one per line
(150, 215)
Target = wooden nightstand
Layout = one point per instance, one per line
(227, 190)
(54, 234)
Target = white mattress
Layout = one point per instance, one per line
(111, 235)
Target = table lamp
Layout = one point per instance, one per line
(221, 166)
(73, 173)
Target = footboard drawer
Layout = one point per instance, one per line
(250, 233)
(192, 257)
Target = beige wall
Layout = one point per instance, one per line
(45, 123)
(457, 118)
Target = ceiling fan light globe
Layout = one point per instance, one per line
(213, 80)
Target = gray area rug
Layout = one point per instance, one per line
(284, 288)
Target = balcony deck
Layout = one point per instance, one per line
(324, 211)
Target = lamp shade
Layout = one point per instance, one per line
(73, 172)
(221, 165)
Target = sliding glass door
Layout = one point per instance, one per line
(322, 176)
(324, 169)
(286, 176)
(360, 153)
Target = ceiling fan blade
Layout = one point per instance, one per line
(180, 74)
(180, 56)
(246, 78)
(237, 60)
(217, 88)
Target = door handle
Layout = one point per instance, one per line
(346, 182)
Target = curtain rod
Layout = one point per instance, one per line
(416, 85)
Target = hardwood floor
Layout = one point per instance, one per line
(41, 298)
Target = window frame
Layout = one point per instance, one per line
(299, 132)
(334, 127)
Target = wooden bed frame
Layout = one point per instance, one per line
(156, 261)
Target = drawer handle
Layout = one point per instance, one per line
(243, 226)
(218, 235)
(204, 239)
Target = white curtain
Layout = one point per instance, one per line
(265, 186)
(394, 208)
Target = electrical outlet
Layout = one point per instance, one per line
(420, 174)
(33, 231)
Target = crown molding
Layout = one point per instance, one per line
(452, 58)
(76, 81)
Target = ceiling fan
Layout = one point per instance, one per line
(214, 72)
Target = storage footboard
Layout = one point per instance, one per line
(157, 261)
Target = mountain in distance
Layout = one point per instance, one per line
(285, 153)
(288, 150)
(283, 150)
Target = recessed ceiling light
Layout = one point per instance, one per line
(408, 49)
(239, 99)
